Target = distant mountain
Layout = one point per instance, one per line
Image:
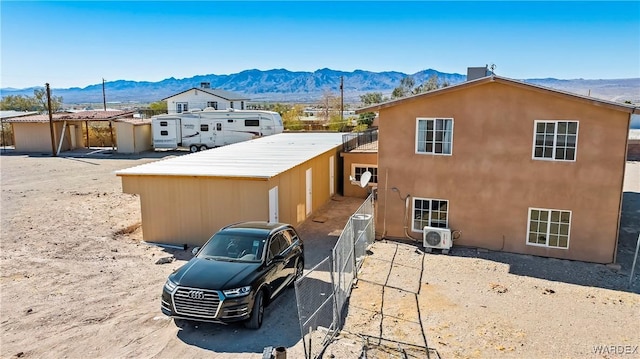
(289, 86)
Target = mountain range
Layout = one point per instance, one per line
(281, 85)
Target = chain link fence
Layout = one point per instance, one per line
(322, 293)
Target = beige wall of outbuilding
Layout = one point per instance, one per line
(189, 209)
(36, 136)
(491, 180)
(133, 138)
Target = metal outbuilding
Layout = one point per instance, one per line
(33, 133)
(282, 178)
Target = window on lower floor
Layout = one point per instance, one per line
(430, 212)
(549, 228)
(357, 170)
(555, 140)
(434, 135)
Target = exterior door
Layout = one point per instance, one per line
(309, 191)
(332, 175)
(273, 205)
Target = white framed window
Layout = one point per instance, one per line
(231, 104)
(358, 169)
(555, 140)
(182, 107)
(549, 228)
(434, 135)
(212, 104)
(242, 105)
(429, 212)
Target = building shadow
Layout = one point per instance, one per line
(614, 277)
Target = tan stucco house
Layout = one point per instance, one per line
(508, 165)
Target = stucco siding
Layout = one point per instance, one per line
(491, 180)
(357, 158)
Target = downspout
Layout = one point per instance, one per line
(406, 219)
(386, 194)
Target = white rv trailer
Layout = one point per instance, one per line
(200, 130)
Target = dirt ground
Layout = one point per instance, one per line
(481, 304)
(77, 282)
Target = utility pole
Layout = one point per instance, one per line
(104, 98)
(342, 100)
(104, 101)
(51, 129)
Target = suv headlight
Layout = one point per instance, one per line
(169, 286)
(237, 292)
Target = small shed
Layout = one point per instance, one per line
(279, 178)
(33, 133)
(134, 135)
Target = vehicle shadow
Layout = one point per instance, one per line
(280, 327)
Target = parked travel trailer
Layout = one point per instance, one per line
(200, 130)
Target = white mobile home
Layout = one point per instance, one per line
(199, 98)
(200, 130)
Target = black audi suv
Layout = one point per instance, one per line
(235, 274)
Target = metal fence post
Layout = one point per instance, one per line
(633, 267)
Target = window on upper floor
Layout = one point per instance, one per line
(213, 104)
(357, 170)
(242, 105)
(549, 228)
(231, 104)
(555, 140)
(182, 107)
(434, 136)
(430, 212)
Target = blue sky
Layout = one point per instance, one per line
(75, 44)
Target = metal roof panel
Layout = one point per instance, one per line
(261, 158)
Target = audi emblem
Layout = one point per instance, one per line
(196, 294)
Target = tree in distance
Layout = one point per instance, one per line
(37, 102)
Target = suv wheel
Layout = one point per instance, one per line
(257, 312)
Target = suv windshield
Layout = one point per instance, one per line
(246, 247)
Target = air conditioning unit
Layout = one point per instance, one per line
(438, 238)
